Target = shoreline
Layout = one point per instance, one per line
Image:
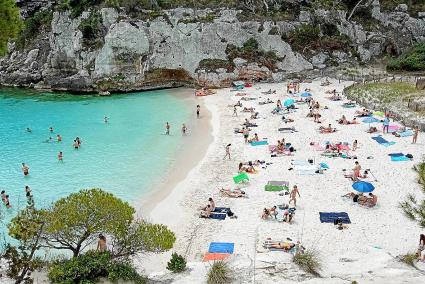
(188, 156)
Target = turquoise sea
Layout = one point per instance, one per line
(126, 156)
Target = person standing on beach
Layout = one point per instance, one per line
(25, 169)
(386, 123)
(167, 129)
(293, 195)
(415, 134)
(184, 129)
(355, 145)
(245, 132)
(235, 112)
(227, 151)
(198, 110)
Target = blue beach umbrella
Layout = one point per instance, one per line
(289, 102)
(370, 119)
(362, 186)
(306, 95)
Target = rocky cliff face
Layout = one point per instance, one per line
(178, 47)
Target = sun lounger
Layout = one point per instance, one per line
(259, 143)
(216, 247)
(243, 177)
(330, 217)
(215, 256)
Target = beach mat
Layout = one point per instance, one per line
(330, 217)
(215, 256)
(216, 247)
(221, 210)
(259, 143)
(240, 178)
(382, 141)
(218, 216)
(406, 133)
(399, 158)
(396, 154)
(270, 187)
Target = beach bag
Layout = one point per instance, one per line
(410, 156)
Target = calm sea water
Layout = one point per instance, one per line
(126, 156)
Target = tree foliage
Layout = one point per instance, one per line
(412, 60)
(10, 23)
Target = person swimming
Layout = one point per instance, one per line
(7, 202)
(28, 129)
(184, 129)
(76, 145)
(59, 138)
(25, 169)
(60, 156)
(50, 139)
(51, 129)
(106, 119)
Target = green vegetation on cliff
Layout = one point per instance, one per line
(10, 23)
(412, 60)
(41, 20)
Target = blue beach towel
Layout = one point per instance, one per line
(324, 166)
(399, 158)
(258, 143)
(382, 141)
(218, 216)
(221, 210)
(406, 133)
(330, 217)
(221, 248)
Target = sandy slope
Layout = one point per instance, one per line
(364, 252)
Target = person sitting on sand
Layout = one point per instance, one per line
(370, 201)
(206, 212)
(238, 104)
(372, 129)
(254, 139)
(272, 212)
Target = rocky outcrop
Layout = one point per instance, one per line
(178, 48)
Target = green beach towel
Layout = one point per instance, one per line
(241, 178)
(270, 187)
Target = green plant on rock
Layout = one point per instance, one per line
(177, 263)
(10, 23)
(219, 273)
(308, 261)
(408, 258)
(92, 29)
(33, 26)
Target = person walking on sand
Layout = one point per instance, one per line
(60, 156)
(227, 151)
(25, 169)
(415, 134)
(386, 124)
(167, 129)
(355, 144)
(184, 129)
(235, 111)
(198, 111)
(245, 132)
(293, 195)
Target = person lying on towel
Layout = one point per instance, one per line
(328, 129)
(369, 201)
(234, 193)
(362, 113)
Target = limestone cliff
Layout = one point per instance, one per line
(178, 47)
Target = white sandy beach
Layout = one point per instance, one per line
(365, 252)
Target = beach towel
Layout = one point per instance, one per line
(221, 210)
(216, 247)
(243, 177)
(399, 158)
(324, 166)
(382, 141)
(406, 133)
(215, 256)
(330, 217)
(396, 154)
(259, 143)
(276, 186)
(218, 216)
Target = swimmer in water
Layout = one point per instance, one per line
(51, 129)
(184, 129)
(28, 191)
(78, 141)
(167, 129)
(3, 196)
(25, 169)
(106, 119)
(7, 202)
(59, 138)
(60, 156)
(76, 145)
(49, 140)
(28, 129)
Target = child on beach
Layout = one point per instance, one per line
(293, 195)
(227, 151)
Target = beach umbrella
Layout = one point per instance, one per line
(306, 95)
(362, 186)
(289, 102)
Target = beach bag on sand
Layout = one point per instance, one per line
(410, 156)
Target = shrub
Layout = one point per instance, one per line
(89, 267)
(412, 60)
(274, 30)
(304, 35)
(92, 29)
(177, 263)
(10, 22)
(219, 273)
(408, 258)
(308, 261)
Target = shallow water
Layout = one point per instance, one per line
(126, 156)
